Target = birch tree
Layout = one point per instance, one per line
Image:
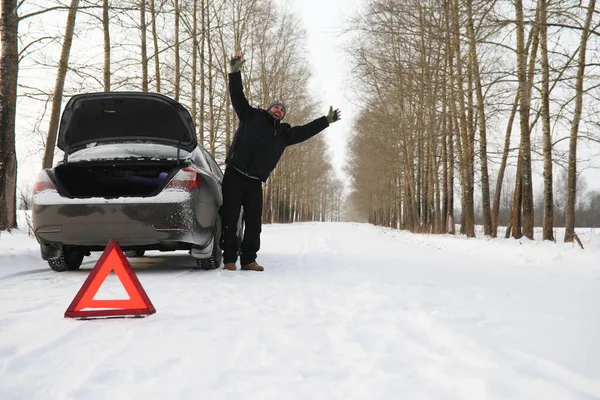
(9, 61)
(548, 221)
(106, 31)
(572, 167)
(143, 45)
(61, 75)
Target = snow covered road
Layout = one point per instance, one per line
(342, 311)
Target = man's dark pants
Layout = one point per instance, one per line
(240, 190)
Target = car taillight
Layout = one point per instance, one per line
(43, 183)
(186, 179)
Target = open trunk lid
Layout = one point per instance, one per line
(125, 117)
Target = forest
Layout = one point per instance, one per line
(470, 112)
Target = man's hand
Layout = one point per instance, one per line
(237, 61)
(334, 116)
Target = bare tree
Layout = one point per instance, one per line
(502, 168)
(176, 48)
(106, 31)
(485, 186)
(194, 71)
(143, 45)
(156, 56)
(548, 221)
(200, 119)
(61, 75)
(9, 60)
(468, 212)
(572, 178)
(524, 109)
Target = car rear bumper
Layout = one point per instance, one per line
(169, 220)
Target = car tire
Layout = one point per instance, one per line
(134, 253)
(214, 261)
(69, 260)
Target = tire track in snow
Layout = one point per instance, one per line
(50, 354)
(462, 363)
(558, 374)
(24, 273)
(19, 363)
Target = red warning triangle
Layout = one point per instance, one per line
(112, 259)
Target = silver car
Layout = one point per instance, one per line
(132, 171)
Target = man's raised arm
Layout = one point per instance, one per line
(236, 88)
(299, 134)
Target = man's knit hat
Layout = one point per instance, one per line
(278, 103)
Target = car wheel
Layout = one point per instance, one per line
(69, 260)
(214, 261)
(134, 253)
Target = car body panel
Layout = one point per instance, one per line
(133, 221)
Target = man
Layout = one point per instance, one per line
(255, 150)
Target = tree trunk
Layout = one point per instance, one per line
(548, 221)
(445, 129)
(200, 122)
(572, 174)
(462, 171)
(524, 108)
(176, 46)
(155, 42)
(59, 86)
(143, 45)
(485, 185)
(468, 212)
(501, 170)
(450, 228)
(500, 179)
(211, 98)
(516, 216)
(194, 58)
(9, 62)
(451, 119)
(106, 30)
(411, 186)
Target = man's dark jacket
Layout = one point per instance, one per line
(260, 140)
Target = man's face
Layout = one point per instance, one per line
(276, 112)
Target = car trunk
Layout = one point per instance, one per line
(113, 180)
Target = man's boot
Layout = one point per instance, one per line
(230, 266)
(252, 267)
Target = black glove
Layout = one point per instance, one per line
(333, 116)
(237, 62)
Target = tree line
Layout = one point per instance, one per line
(460, 93)
(461, 100)
(180, 48)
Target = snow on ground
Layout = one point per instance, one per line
(342, 311)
